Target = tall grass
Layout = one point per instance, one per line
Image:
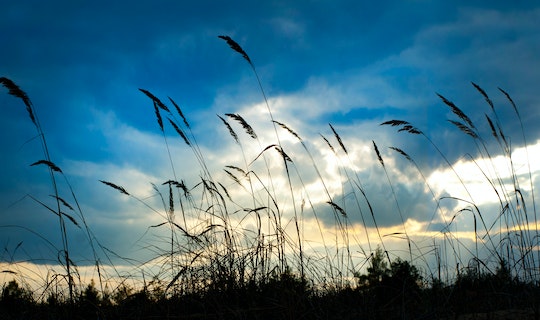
(236, 234)
(60, 204)
(53, 170)
(515, 213)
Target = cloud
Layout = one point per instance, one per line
(352, 74)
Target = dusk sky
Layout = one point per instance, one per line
(353, 64)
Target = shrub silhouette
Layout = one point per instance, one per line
(15, 301)
(377, 271)
(390, 290)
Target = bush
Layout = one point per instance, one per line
(15, 301)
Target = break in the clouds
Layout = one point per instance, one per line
(350, 64)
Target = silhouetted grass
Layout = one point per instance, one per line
(209, 263)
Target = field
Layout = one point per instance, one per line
(250, 242)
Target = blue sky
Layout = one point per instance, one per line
(353, 64)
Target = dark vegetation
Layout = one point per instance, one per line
(395, 292)
(212, 267)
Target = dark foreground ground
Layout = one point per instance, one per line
(288, 298)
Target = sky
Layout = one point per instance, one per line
(351, 64)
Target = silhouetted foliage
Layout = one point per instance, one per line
(377, 271)
(393, 290)
(15, 301)
(221, 284)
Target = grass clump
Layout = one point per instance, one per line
(244, 254)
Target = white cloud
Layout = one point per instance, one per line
(481, 175)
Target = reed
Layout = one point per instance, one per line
(17, 92)
(233, 243)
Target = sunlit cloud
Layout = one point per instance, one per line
(111, 133)
(488, 180)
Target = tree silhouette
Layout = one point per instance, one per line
(377, 271)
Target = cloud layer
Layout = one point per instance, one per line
(348, 64)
